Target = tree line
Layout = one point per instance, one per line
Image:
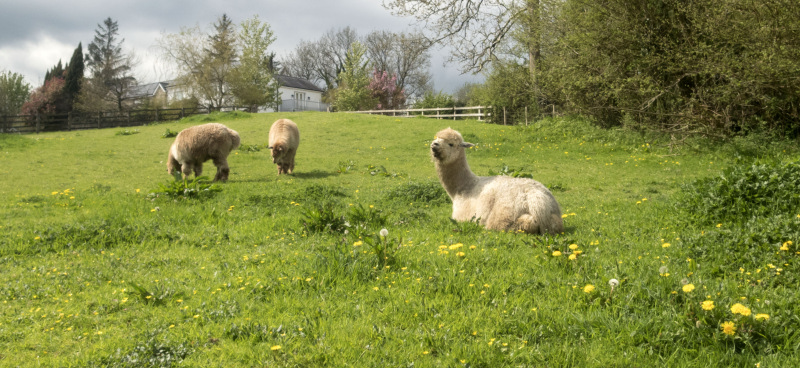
(710, 67)
(229, 64)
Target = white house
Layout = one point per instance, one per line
(298, 94)
(155, 93)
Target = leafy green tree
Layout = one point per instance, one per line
(14, 92)
(509, 86)
(712, 67)
(108, 64)
(251, 80)
(204, 62)
(353, 93)
(431, 100)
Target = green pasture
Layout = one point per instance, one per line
(102, 265)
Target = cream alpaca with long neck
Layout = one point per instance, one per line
(498, 202)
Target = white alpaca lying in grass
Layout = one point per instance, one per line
(498, 202)
(198, 144)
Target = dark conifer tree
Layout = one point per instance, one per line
(74, 76)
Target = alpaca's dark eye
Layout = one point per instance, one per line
(451, 145)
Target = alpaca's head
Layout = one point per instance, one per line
(277, 152)
(448, 146)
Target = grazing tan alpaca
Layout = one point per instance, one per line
(198, 144)
(284, 138)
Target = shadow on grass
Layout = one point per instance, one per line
(316, 174)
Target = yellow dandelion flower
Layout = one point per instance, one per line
(740, 309)
(588, 288)
(456, 246)
(665, 245)
(728, 328)
(688, 288)
(275, 348)
(357, 244)
(573, 246)
(761, 316)
(573, 257)
(556, 254)
(461, 254)
(707, 305)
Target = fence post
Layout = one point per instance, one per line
(69, 121)
(183, 113)
(99, 119)
(504, 115)
(157, 116)
(38, 121)
(526, 115)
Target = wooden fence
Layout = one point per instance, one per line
(108, 119)
(483, 112)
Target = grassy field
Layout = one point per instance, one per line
(672, 256)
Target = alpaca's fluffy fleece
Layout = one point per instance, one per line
(198, 144)
(284, 138)
(498, 202)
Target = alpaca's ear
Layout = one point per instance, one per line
(467, 145)
(270, 147)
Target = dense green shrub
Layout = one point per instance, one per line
(743, 192)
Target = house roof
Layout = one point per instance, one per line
(145, 90)
(295, 82)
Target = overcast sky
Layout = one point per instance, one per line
(35, 34)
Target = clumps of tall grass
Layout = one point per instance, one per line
(169, 134)
(127, 132)
(154, 351)
(200, 187)
(745, 216)
(744, 192)
(429, 192)
(357, 220)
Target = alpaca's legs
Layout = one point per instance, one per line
(186, 169)
(222, 169)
